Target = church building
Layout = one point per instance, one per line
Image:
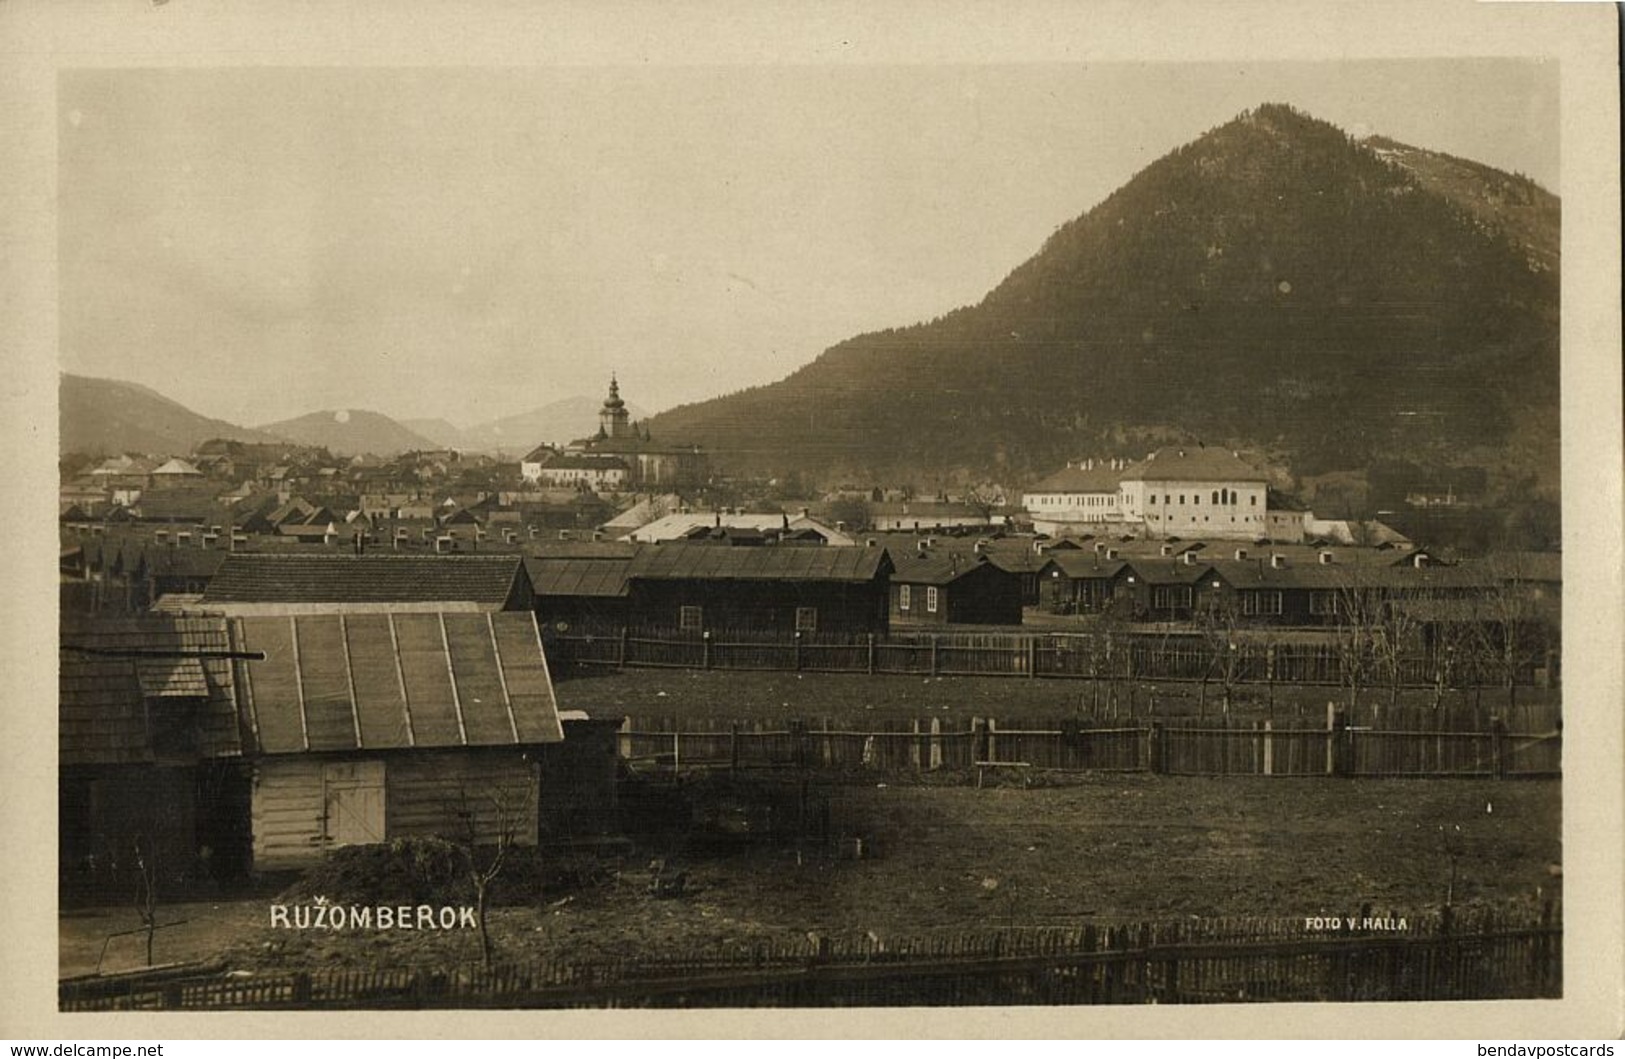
(622, 454)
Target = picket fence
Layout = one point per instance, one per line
(1133, 656)
(1490, 954)
(1185, 747)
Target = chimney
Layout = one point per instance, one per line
(1277, 562)
(921, 546)
(597, 535)
(806, 512)
(840, 526)
(1241, 554)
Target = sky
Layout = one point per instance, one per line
(473, 243)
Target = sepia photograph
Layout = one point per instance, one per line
(1031, 532)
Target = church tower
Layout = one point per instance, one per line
(613, 419)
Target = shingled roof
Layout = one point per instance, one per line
(1078, 480)
(933, 568)
(332, 682)
(376, 582)
(702, 562)
(114, 672)
(1193, 463)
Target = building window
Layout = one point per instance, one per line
(1170, 597)
(903, 594)
(1323, 603)
(1182, 499)
(1257, 604)
(931, 600)
(1253, 500)
(1153, 499)
(690, 619)
(806, 619)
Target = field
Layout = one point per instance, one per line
(955, 858)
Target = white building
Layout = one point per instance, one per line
(1083, 498)
(1195, 491)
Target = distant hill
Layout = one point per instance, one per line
(444, 434)
(106, 416)
(350, 432)
(1274, 285)
(557, 422)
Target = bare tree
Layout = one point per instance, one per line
(146, 887)
(1394, 637)
(1217, 621)
(495, 817)
(1359, 616)
(1506, 642)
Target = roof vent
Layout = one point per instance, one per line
(1241, 554)
(1167, 549)
(1111, 553)
(921, 546)
(870, 543)
(1325, 558)
(1277, 562)
(1189, 558)
(1419, 560)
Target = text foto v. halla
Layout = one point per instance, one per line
(322, 915)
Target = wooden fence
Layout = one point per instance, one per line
(1492, 955)
(1134, 656)
(1186, 748)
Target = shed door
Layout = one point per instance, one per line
(354, 797)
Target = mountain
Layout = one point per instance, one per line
(444, 434)
(1274, 285)
(350, 432)
(106, 416)
(557, 422)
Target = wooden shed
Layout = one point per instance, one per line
(149, 751)
(365, 727)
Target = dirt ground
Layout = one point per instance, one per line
(958, 858)
(737, 695)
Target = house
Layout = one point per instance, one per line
(802, 528)
(595, 471)
(1079, 498)
(366, 727)
(932, 588)
(305, 583)
(148, 753)
(696, 587)
(1195, 491)
(1079, 581)
(928, 515)
(1161, 589)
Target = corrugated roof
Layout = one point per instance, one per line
(1192, 463)
(333, 682)
(578, 577)
(685, 562)
(250, 578)
(113, 670)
